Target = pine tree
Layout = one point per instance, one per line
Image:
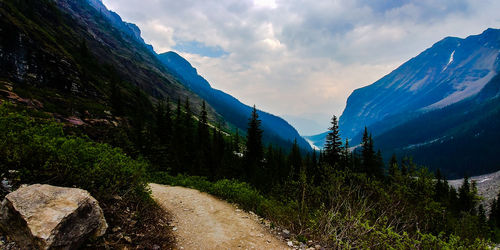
(483, 223)
(168, 121)
(187, 145)
(333, 144)
(440, 189)
(203, 145)
(254, 152)
(161, 126)
(494, 219)
(467, 199)
(379, 161)
(370, 160)
(295, 161)
(236, 141)
(404, 166)
(393, 166)
(202, 127)
(346, 156)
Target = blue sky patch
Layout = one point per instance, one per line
(195, 47)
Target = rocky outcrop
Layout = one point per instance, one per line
(48, 217)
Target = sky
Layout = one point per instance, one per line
(301, 59)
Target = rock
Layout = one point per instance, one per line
(317, 247)
(127, 239)
(286, 231)
(44, 216)
(290, 243)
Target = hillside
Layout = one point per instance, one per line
(80, 60)
(71, 59)
(465, 135)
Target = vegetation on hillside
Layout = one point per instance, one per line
(35, 149)
(340, 198)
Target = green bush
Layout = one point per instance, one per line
(37, 151)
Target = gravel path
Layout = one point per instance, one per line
(201, 221)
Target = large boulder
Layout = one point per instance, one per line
(48, 217)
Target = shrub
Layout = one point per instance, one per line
(38, 151)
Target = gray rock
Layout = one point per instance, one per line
(44, 217)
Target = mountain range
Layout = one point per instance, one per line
(49, 54)
(441, 107)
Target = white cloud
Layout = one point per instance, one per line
(298, 57)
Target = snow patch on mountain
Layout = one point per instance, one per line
(450, 61)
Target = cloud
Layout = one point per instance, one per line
(297, 57)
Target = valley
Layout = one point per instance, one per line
(86, 102)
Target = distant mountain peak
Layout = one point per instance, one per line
(450, 71)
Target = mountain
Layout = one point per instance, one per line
(80, 61)
(71, 58)
(442, 107)
(276, 130)
(451, 70)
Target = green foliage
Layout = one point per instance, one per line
(231, 190)
(39, 152)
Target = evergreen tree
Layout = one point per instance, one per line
(168, 121)
(295, 161)
(494, 219)
(346, 157)
(333, 144)
(162, 122)
(187, 143)
(467, 199)
(254, 152)
(371, 162)
(393, 166)
(404, 166)
(379, 161)
(441, 187)
(236, 141)
(202, 146)
(203, 134)
(483, 223)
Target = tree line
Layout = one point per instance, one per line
(398, 195)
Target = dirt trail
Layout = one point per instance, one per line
(202, 221)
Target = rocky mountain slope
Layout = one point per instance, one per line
(68, 56)
(450, 71)
(276, 130)
(488, 186)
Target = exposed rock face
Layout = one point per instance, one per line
(450, 71)
(47, 217)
